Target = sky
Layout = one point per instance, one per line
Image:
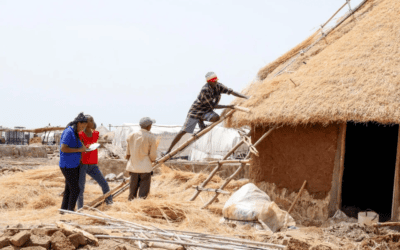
(123, 60)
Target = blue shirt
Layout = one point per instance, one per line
(70, 160)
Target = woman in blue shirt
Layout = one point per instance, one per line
(70, 160)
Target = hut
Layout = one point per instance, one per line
(335, 99)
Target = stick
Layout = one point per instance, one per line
(104, 196)
(211, 190)
(202, 237)
(297, 197)
(247, 110)
(229, 161)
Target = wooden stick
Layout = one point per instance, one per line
(229, 161)
(103, 197)
(225, 240)
(297, 197)
(211, 190)
(247, 110)
(215, 170)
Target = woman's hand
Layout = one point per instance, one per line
(83, 148)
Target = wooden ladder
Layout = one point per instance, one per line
(252, 150)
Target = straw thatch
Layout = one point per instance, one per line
(352, 74)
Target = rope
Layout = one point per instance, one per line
(323, 35)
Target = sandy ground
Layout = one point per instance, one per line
(31, 197)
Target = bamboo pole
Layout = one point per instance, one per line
(104, 196)
(247, 110)
(211, 190)
(229, 161)
(333, 15)
(215, 170)
(297, 197)
(239, 169)
(194, 237)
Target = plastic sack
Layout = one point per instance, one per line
(251, 204)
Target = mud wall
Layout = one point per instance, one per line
(290, 155)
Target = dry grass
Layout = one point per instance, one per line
(352, 74)
(32, 197)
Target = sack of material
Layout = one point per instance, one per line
(251, 204)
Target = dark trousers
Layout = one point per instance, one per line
(71, 191)
(139, 182)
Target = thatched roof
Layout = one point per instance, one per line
(351, 74)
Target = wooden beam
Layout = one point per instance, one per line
(229, 161)
(211, 190)
(337, 176)
(396, 187)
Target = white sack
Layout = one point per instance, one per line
(249, 203)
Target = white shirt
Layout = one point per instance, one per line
(142, 149)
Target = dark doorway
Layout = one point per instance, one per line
(369, 167)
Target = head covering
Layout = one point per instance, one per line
(80, 118)
(146, 121)
(211, 77)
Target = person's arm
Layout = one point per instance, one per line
(66, 139)
(66, 149)
(229, 91)
(153, 149)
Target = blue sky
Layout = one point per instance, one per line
(122, 60)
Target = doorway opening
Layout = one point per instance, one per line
(369, 167)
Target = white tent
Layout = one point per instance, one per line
(215, 144)
(165, 133)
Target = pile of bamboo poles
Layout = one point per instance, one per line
(147, 235)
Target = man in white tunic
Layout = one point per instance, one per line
(141, 152)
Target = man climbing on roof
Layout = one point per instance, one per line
(202, 108)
